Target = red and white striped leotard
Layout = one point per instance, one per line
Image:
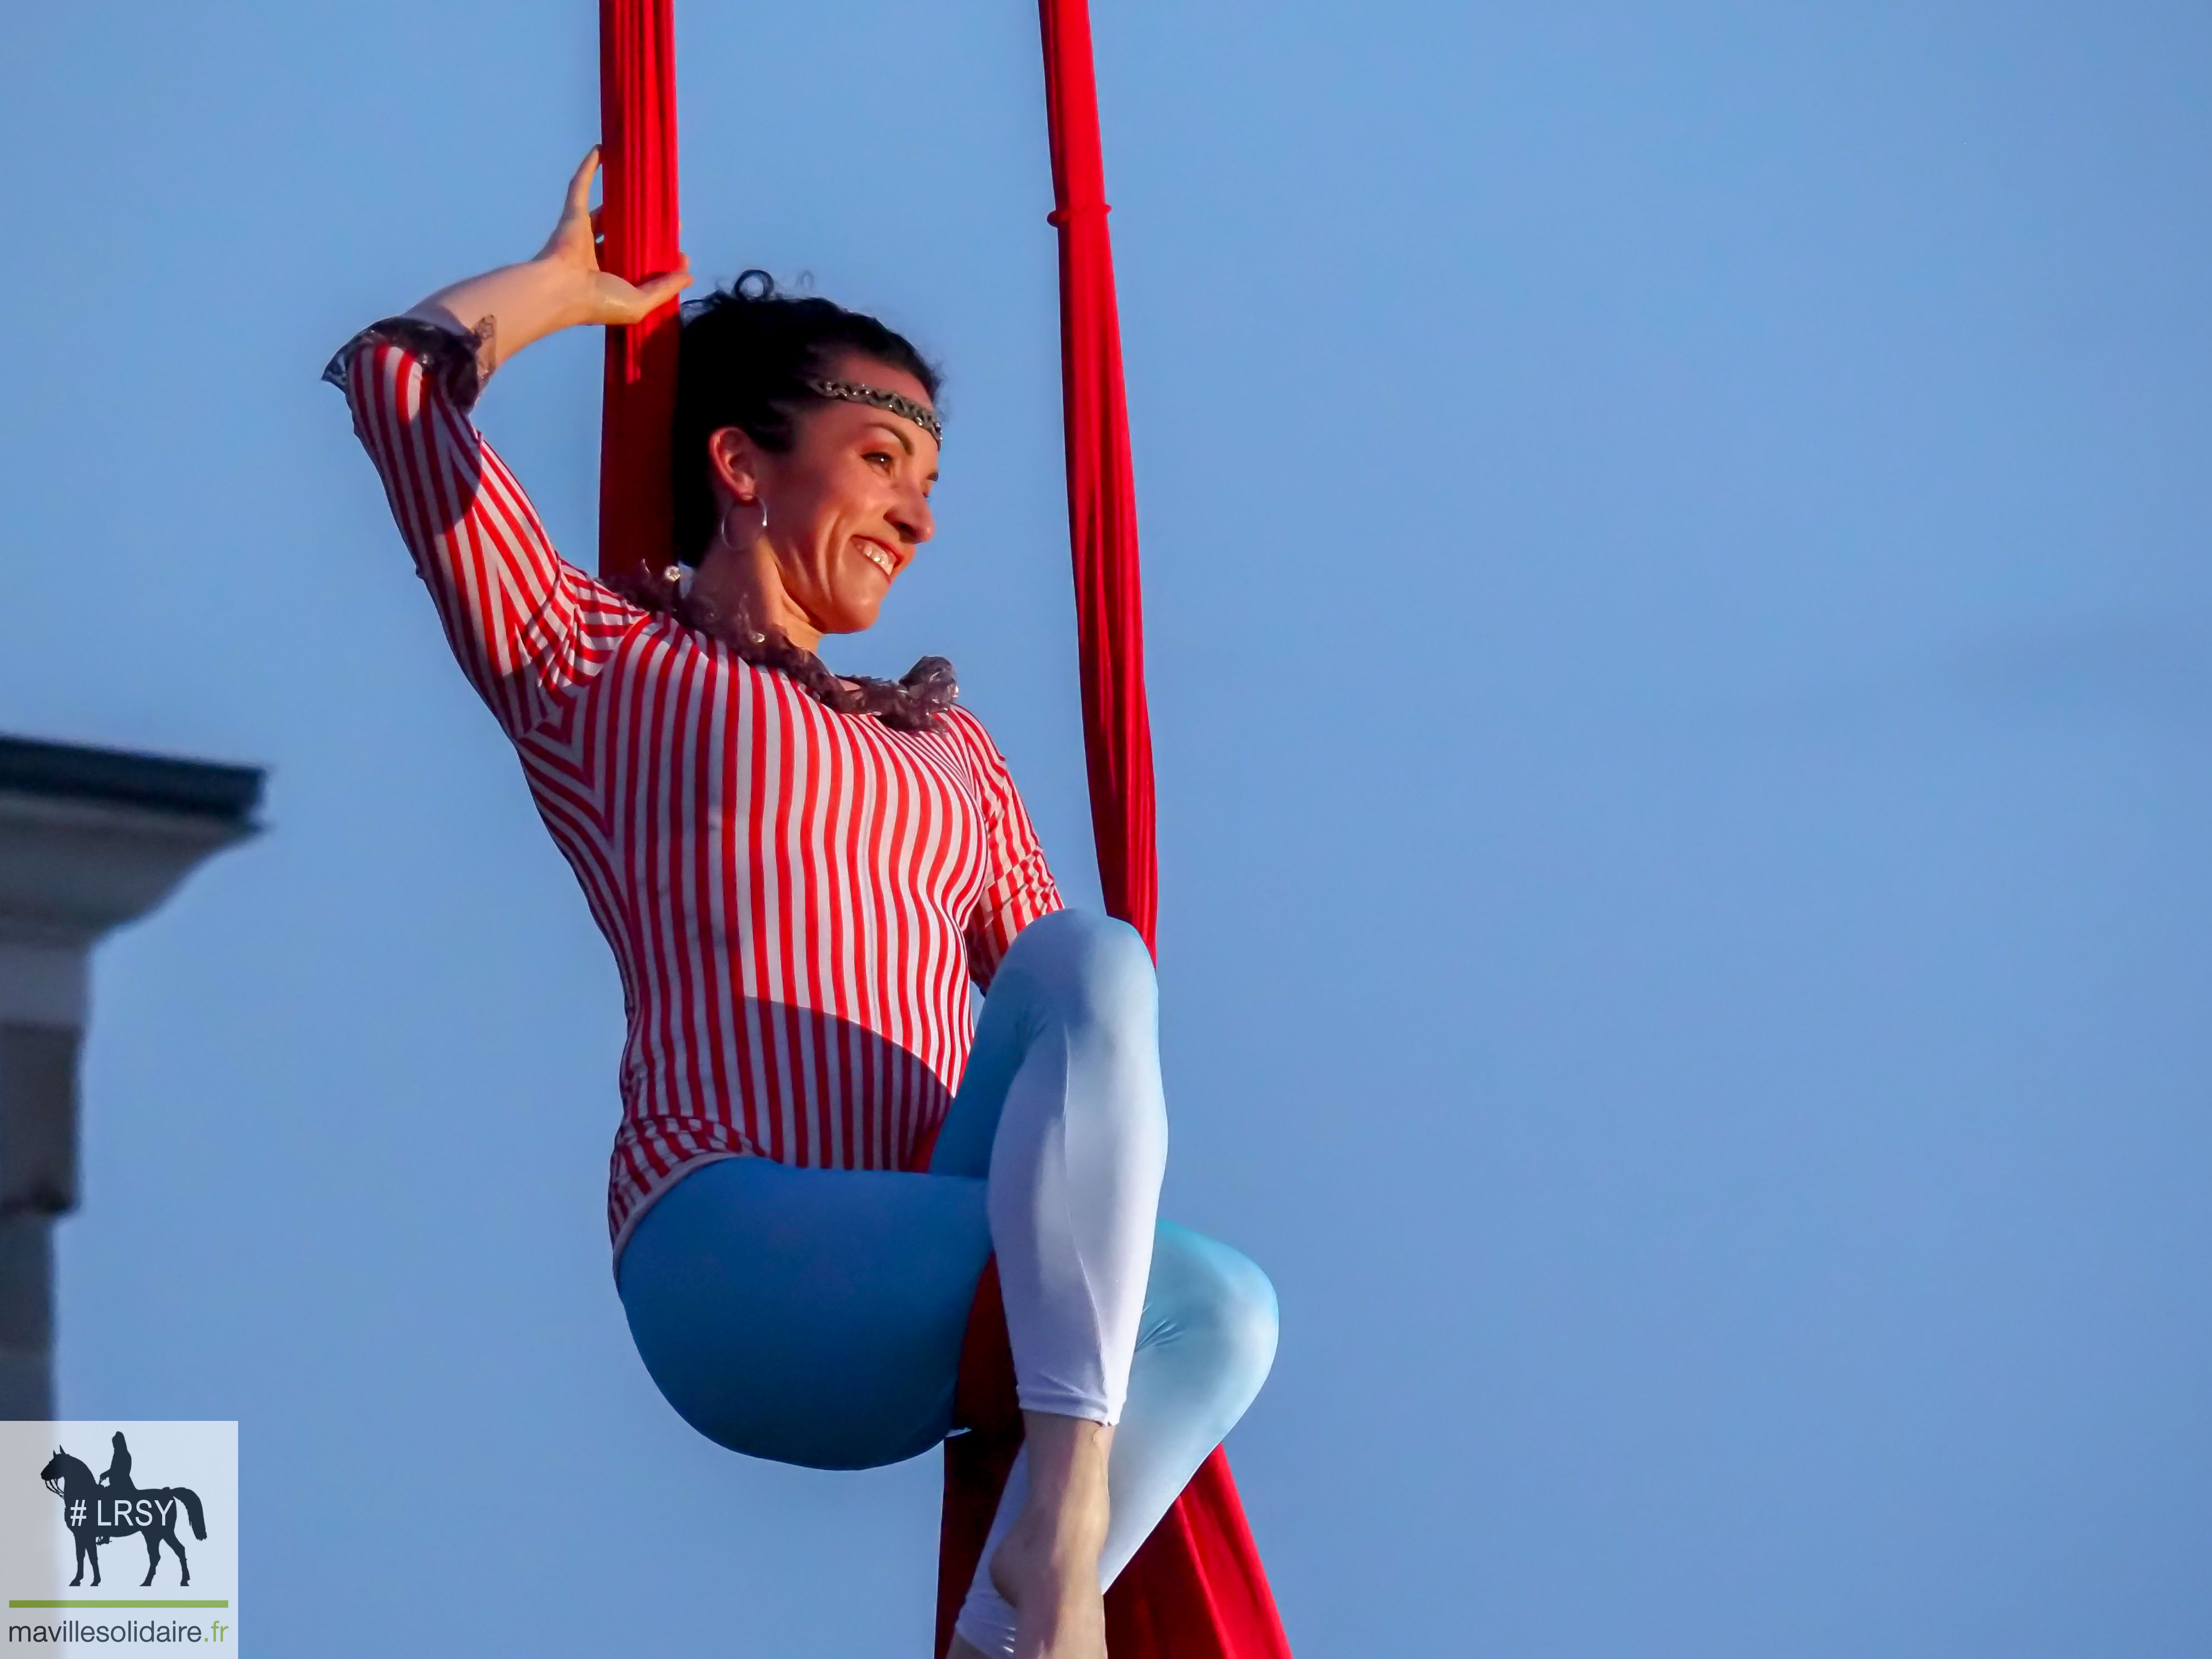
(797, 898)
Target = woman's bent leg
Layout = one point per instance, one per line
(1064, 1091)
(1207, 1339)
(1062, 1108)
(810, 1316)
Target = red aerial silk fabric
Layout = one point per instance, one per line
(1102, 497)
(637, 151)
(1196, 1589)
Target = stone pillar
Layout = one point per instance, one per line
(38, 1181)
(89, 839)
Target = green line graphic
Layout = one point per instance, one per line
(13, 1603)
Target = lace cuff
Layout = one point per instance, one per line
(458, 362)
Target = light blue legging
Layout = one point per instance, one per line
(816, 1316)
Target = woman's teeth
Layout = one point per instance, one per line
(883, 559)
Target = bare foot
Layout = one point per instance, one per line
(1048, 1565)
(1058, 1611)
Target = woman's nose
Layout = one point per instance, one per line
(914, 519)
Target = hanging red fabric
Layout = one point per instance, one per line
(1196, 1589)
(1101, 495)
(640, 233)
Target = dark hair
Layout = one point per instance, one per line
(747, 352)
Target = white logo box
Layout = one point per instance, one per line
(172, 1468)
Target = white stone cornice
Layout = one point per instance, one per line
(72, 869)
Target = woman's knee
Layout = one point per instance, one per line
(1096, 969)
(1217, 1301)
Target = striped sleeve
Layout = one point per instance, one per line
(1019, 884)
(527, 627)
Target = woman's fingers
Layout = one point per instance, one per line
(620, 302)
(573, 244)
(657, 291)
(580, 187)
(572, 240)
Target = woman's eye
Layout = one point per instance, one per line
(878, 455)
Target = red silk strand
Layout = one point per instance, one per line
(637, 151)
(1101, 494)
(1196, 1589)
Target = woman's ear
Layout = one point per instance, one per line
(733, 463)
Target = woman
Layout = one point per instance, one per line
(800, 874)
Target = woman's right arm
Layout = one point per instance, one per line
(526, 625)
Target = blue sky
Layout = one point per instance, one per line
(1681, 651)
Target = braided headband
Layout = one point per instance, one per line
(853, 393)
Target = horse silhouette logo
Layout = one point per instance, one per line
(97, 1510)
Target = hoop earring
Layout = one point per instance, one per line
(723, 529)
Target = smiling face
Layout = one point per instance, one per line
(847, 506)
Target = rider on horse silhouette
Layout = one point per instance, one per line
(118, 1477)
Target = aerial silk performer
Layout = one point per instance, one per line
(841, 1215)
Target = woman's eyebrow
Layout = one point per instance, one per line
(905, 442)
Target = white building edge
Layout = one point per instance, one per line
(89, 839)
